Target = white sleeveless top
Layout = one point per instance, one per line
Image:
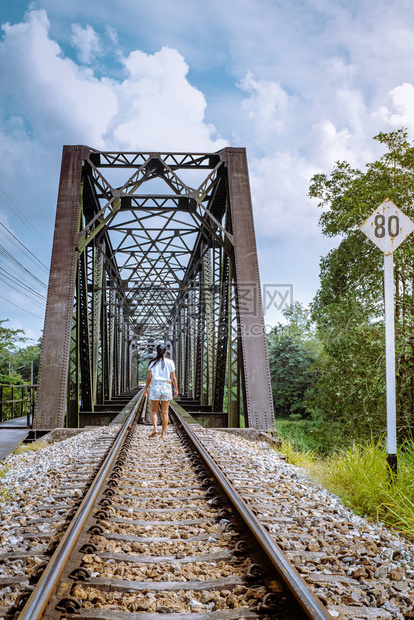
(162, 369)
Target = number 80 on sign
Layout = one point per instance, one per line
(387, 227)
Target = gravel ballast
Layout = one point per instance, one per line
(359, 569)
(38, 490)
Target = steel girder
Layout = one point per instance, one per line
(153, 247)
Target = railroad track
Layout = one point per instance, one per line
(162, 531)
(358, 569)
(42, 523)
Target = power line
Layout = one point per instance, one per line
(22, 284)
(13, 207)
(43, 266)
(14, 261)
(32, 299)
(21, 308)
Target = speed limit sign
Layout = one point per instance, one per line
(388, 227)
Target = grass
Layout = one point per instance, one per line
(4, 491)
(3, 470)
(310, 435)
(5, 494)
(360, 476)
(31, 447)
(295, 457)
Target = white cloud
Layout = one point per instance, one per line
(112, 34)
(267, 106)
(159, 108)
(279, 192)
(330, 144)
(87, 42)
(154, 106)
(399, 111)
(60, 101)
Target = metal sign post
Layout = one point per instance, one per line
(388, 227)
(390, 361)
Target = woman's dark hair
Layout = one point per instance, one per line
(161, 349)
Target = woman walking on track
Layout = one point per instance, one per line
(161, 373)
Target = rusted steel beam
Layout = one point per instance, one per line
(256, 375)
(54, 361)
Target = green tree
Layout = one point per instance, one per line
(24, 358)
(292, 354)
(8, 345)
(348, 308)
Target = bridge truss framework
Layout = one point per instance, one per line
(148, 248)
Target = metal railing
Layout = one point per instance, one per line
(17, 401)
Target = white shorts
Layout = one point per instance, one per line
(160, 390)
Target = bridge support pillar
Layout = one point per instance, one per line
(255, 362)
(53, 372)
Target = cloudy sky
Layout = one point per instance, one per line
(299, 83)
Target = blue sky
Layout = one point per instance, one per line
(299, 83)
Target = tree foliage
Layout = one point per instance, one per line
(348, 308)
(22, 362)
(15, 361)
(292, 355)
(9, 337)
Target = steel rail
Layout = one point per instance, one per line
(41, 595)
(309, 603)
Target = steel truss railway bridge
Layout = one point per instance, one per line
(148, 248)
